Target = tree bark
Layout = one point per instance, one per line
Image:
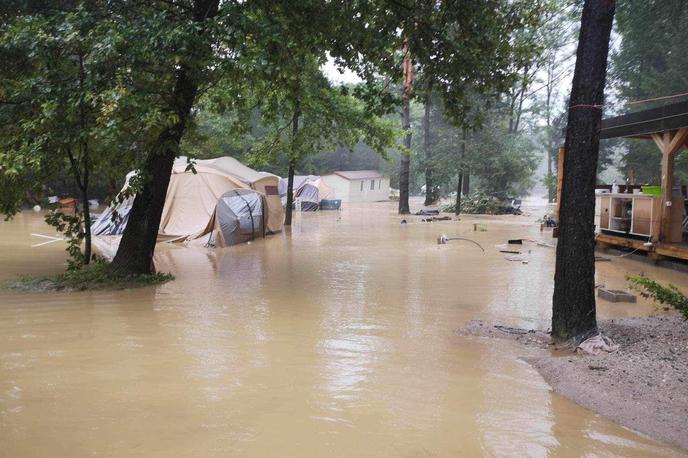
(86, 211)
(404, 167)
(429, 189)
(466, 180)
(551, 191)
(457, 207)
(290, 194)
(292, 166)
(462, 172)
(136, 249)
(466, 168)
(83, 177)
(573, 304)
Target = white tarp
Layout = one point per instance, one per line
(311, 189)
(238, 218)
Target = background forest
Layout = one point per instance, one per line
(507, 145)
(512, 151)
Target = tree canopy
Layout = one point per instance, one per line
(650, 62)
(149, 70)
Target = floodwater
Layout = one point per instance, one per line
(338, 340)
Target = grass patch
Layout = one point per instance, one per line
(93, 277)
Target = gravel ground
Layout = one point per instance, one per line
(642, 386)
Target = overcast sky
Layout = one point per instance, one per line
(333, 74)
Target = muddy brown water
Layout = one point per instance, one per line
(338, 340)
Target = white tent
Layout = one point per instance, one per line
(192, 199)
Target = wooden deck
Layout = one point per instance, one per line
(658, 250)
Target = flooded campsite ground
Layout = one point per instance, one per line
(338, 339)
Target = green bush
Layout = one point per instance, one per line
(664, 295)
(479, 203)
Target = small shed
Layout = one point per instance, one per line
(358, 185)
(667, 126)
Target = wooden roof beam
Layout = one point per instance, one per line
(643, 124)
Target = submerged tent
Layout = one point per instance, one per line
(262, 182)
(310, 189)
(192, 198)
(239, 217)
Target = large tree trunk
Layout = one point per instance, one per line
(573, 303)
(136, 249)
(429, 189)
(404, 167)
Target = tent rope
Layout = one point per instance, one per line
(250, 214)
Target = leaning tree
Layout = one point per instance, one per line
(573, 304)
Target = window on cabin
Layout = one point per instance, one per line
(372, 185)
(361, 185)
(379, 184)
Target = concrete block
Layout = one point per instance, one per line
(615, 295)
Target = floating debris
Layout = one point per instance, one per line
(615, 295)
(443, 239)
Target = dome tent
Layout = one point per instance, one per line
(239, 217)
(310, 189)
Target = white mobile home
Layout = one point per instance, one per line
(358, 185)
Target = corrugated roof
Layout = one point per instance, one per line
(359, 174)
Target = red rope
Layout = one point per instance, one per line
(653, 99)
(658, 98)
(582, 105)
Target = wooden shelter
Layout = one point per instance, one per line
(667, 126)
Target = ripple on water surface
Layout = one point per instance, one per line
(336, 339)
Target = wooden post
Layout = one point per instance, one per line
(669, 144)
(667, 189)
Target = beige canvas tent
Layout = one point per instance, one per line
(213, 178)
(192, 199)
